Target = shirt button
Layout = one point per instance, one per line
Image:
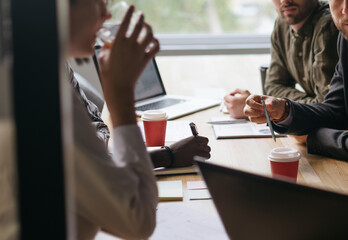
(300, 54)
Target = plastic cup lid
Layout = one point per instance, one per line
(284, 154)
(154, 115)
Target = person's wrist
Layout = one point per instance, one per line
(121, 108)
(122, 114)
(170, 156)
(285, 113)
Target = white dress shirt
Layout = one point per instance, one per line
(9, 225)
(117, 194)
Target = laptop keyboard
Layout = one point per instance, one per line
(160, 104)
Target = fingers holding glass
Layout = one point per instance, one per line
(138, 28)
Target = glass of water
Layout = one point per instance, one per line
(118, 10)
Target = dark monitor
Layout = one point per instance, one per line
(257, 207)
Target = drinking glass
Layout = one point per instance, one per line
(107, 33)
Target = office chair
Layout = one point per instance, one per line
(263, 71)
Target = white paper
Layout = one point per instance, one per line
(191, 185)
(220, 119)
(199, 194)
(241, 130)
(177, 221)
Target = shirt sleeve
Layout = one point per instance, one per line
(287, 121)
(115, 193)
(325, 59)
(331, 113)
(328, 142)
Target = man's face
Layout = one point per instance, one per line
(294, 11)
(339, 14)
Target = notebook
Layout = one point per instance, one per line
(150, 94)
(162, 171)
(227, 128)
(257, 207)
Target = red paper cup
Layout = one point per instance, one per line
(284, 163)
(155, 124)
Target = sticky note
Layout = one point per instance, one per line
(170, 190)
(199, 194)
(196, 185)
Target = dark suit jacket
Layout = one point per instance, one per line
(325, 123)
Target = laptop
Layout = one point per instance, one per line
(150, 94)
(257, 207)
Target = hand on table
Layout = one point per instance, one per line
(235, 102)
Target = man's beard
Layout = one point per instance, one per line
(301, 14)
(292, 19)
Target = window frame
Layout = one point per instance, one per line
(213, 44)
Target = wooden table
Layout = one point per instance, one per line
(249, 155)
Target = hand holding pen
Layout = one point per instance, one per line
(268, 119)
(185, 149)
(254, 109)
(193, 129)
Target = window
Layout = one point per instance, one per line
(208, 16)
(196, 27)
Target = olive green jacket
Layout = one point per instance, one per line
(307, 57)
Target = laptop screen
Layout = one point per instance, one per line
(150, 83)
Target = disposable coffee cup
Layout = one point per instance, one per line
(155, 125)
(284, 163)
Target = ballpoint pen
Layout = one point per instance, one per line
(268, 119)
(193, 129)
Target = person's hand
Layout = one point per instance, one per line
(235, 102)
(185, 149)
(255, 112)
(122, 64)
(300, 139)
